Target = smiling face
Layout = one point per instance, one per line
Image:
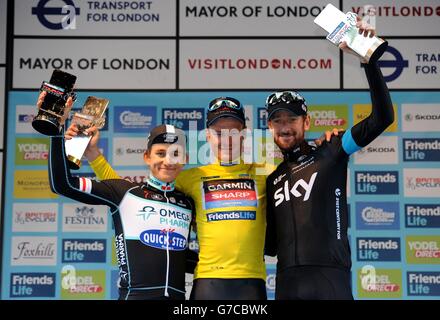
(226, 138)
(165, 160)
(288, 129)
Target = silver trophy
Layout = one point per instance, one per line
(342, 27)
(92, 114)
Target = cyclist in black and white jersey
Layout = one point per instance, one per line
(152, 220)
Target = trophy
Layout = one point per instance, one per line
(342, 27)
(92, 114)
(51, 115)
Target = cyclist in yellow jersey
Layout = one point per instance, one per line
(230, 198)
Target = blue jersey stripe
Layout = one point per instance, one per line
(348, 143)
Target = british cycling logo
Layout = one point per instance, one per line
(27, 285)
(423, 283)
(378, 249)
(422, 215)
(398, 64)
(67, 14)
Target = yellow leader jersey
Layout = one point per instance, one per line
(230, 216)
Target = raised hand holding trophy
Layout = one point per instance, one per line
(53, 110)
(92, 114)
(342, 27)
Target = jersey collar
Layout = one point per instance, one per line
(160, 185)
(292, 155)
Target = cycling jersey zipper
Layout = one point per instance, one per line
(168, 252)
(295, 233)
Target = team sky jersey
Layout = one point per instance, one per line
(152, 223)
(307, 206)
(230, 216)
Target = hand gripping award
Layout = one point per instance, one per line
(92, 114)
(342, 27)
(52, 112)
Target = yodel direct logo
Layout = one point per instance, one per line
(378, 249)
(379, 283)
(423, 283)
(84, 250)
(26, 285)
(421, 149)
(377, 182)
(423, 249)
(422, 215)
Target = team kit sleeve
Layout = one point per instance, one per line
(381, 116)
(80, 189)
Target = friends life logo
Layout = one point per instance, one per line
(84, 250)
(65, 15)
(32, 285)
(422, 215)
(377, 182)
(423, 283)
(421, 149)
(185, 119)
(378, 249)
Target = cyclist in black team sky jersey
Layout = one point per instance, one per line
(152, 220)
(307, 205)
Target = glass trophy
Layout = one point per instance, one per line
(342, 27)
(92, 114)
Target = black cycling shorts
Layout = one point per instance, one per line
(228, 289)
(313, 283)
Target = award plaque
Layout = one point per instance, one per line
(92, 114)
(342, 27)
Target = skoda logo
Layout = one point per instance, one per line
(408, 117)
(41, 11)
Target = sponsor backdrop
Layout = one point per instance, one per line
(161, 62)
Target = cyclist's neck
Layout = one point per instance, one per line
(159, 184)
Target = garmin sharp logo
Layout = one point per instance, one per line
(398, 64)
(68, 13)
